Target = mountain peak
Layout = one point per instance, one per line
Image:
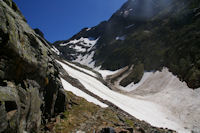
(142, 9)
(142, 32)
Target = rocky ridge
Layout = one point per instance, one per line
(30, 87)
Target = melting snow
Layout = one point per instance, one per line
(79, 49)
(54, 49)
(88, 29)
(145, 110)
(86, 60)
(122, 38)
(68, 87)
(163, 88)
(126, 12)
(105, 73)
(84, 41)
(133, 86)
(84, 70)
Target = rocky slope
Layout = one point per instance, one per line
(30, 88)
(148, 34)
(83, 116)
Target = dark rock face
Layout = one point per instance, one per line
(30, 88)
(107, 130)
(39, 32)
(152, 33)
(168, 39)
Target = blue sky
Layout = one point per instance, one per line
(61, 19)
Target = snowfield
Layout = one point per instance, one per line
(167, 90)
(83, 41)
(133, 86)
(68, 87)
(105, 73)
(147, 110)
(83, 45)
(86, 60)
(122, 38)
(82, 69)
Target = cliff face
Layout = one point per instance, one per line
(30, 88)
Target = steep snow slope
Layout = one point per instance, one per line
(82, 69)
(105, 73)
(150, 112)
(86, 59)
(79, 50)
(132, 86)
(167, 90)
(67, 86)
(54, 49)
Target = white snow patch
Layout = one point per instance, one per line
(63, 44)
(122, 38)
(88, 29)
(105, 73)
(84, 70)
(163, 88)
(68, 87)
(150, 112)
(126, 12)
(79, 48)
(86, 60)
(84, 41)
(133, 86)
(54, 49)
(129, 26)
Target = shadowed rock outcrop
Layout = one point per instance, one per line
(30, 88)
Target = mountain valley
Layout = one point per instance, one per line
(138, 72)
